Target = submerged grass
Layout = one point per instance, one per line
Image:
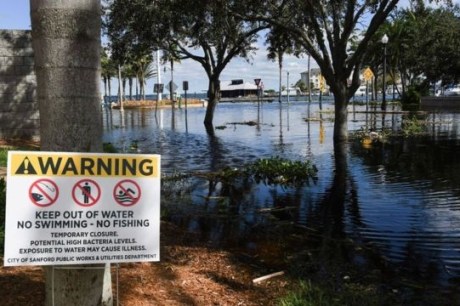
(269, 171)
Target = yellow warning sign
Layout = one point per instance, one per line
(368, 74)
(79, 164)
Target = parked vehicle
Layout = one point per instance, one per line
(452, 91)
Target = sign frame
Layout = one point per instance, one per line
(65, 232)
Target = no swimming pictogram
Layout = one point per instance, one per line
(127, 192)
(86, 192)
(43, 192)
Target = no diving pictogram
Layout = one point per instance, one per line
(43, 192)
(127, 193)
(86, 192)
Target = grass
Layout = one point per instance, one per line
(309, 294)
(3, 156)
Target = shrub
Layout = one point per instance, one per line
(411, 96)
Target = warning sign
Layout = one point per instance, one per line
(127, 193)
(86, 192)
(26, 167)
(368, 74)
(81, 208)
(94, 165)
(43, 192)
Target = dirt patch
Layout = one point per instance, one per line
(20, 143)
(189, 273)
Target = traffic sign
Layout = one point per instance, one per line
(368, 74)
(158, 88)
(174, 86)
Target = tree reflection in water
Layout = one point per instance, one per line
(392, 207)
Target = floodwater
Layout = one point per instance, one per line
(400, 198)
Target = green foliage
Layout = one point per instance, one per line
(271, 171)
(413, 127)
(108, 147)
(3, 157)
(279, 171)
(203, 31)
(411, 96)
(309, 294)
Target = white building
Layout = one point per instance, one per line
(238, 88)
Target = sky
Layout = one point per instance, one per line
(16, 15)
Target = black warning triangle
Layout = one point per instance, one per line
(26, 167)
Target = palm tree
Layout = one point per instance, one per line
(144, 70)
(69, 97)
(129, 73)
(108, 71)
(279, 44)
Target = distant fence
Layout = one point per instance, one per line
(451, 102)
(19, 116)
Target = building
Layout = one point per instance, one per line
(314, 80)
(237, 88)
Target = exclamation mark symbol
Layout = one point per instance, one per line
(26, 166)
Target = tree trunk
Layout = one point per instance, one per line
(66, 42)
(123, 91)
(171, 89)
(105, 87)
(280, 66)
(130, 86)
(213, 99)
(110, 88)
(341, 114)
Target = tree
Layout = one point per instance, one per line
(108, 71)
(66, 43)
(323, 29)
(144, 71)
(301, 85)
(436, 34)
(279, 43)
(203, 31)
(422, 48)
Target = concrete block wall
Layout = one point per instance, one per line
(19, 116)
(440, 103)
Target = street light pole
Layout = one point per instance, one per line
(287, 86)
(384, 42)
(159, 97)
(257, 82)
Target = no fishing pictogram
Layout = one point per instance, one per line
(86, 192)
(43, 192)
(127, 192)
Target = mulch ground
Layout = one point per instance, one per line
(189, 273)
